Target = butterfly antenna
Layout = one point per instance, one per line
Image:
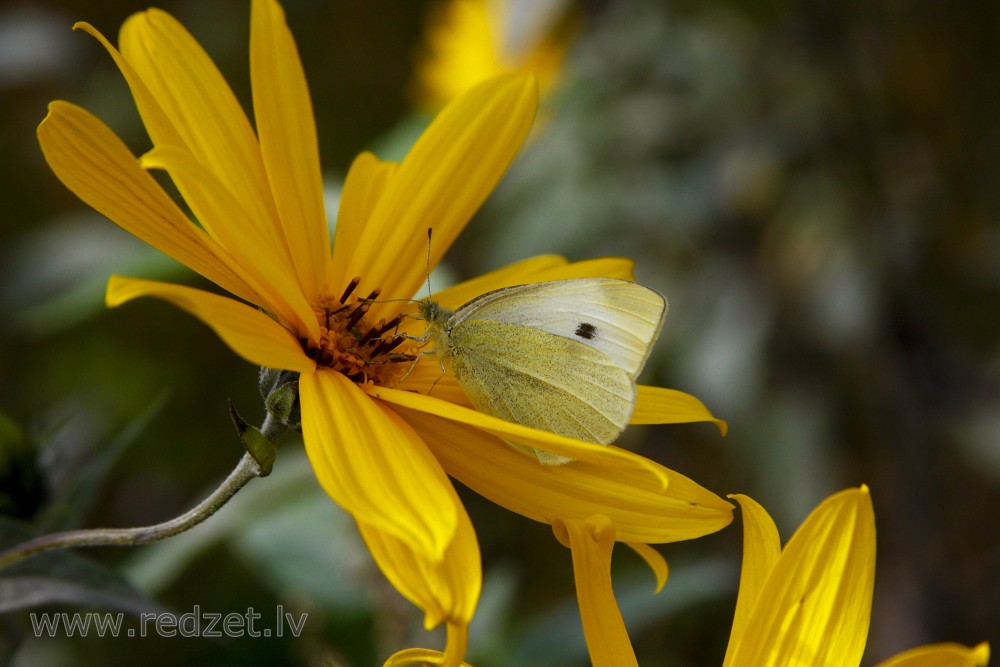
(427, 265)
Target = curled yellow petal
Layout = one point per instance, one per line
(656, 562)
(657, 405)
(93, 162)
(815, 607)
(158, 59)
(619, 484)
(247, 331)
(161, 129)
(573, 449)
(591, 542)
(421, 657)
(374, 465)
(946, 654)
(761, 550)
(203, 109)
(446, 588)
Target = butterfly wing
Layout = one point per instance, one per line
(618, 318)
(529, 376)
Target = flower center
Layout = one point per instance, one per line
(351, 344)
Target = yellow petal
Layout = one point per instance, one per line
(470, 40)
(161, 129)
(591, 543)
(365, 182)
(223, 215)
(600, 267)
(287, 131)
(428, 378)
(94, 163)
(941, 655)
(815, 607)
(443, 180)
(656, 562)
(374, 465)
(534, 270)
(186, 120)
(447, 589)
(463, 48)
(624, 486)
(574, 449)
(761, 550)
(421, 657)
(518, 273)
(247, 331)
(205, 113)
(657, 405)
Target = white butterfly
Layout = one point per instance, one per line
(562, 356)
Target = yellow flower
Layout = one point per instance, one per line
(810, 603)
(380, 446)
(468, 41)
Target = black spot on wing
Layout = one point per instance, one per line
(586, 330)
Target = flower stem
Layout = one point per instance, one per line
(248, 468)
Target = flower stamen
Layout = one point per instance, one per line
(352, 345)
(361, 310)
(351, 286)
(387, 345)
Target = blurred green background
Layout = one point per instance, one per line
(813, 186)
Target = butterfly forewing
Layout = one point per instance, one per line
(618, 318)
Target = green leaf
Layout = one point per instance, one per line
(73, 500)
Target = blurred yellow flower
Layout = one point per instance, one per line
(379, 445)
(468, 41)
(810, 603)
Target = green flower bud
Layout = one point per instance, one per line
(280, 390)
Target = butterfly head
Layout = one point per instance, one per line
(433, 313)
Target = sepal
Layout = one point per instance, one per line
(258, 445)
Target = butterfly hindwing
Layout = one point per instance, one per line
(528, 376)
